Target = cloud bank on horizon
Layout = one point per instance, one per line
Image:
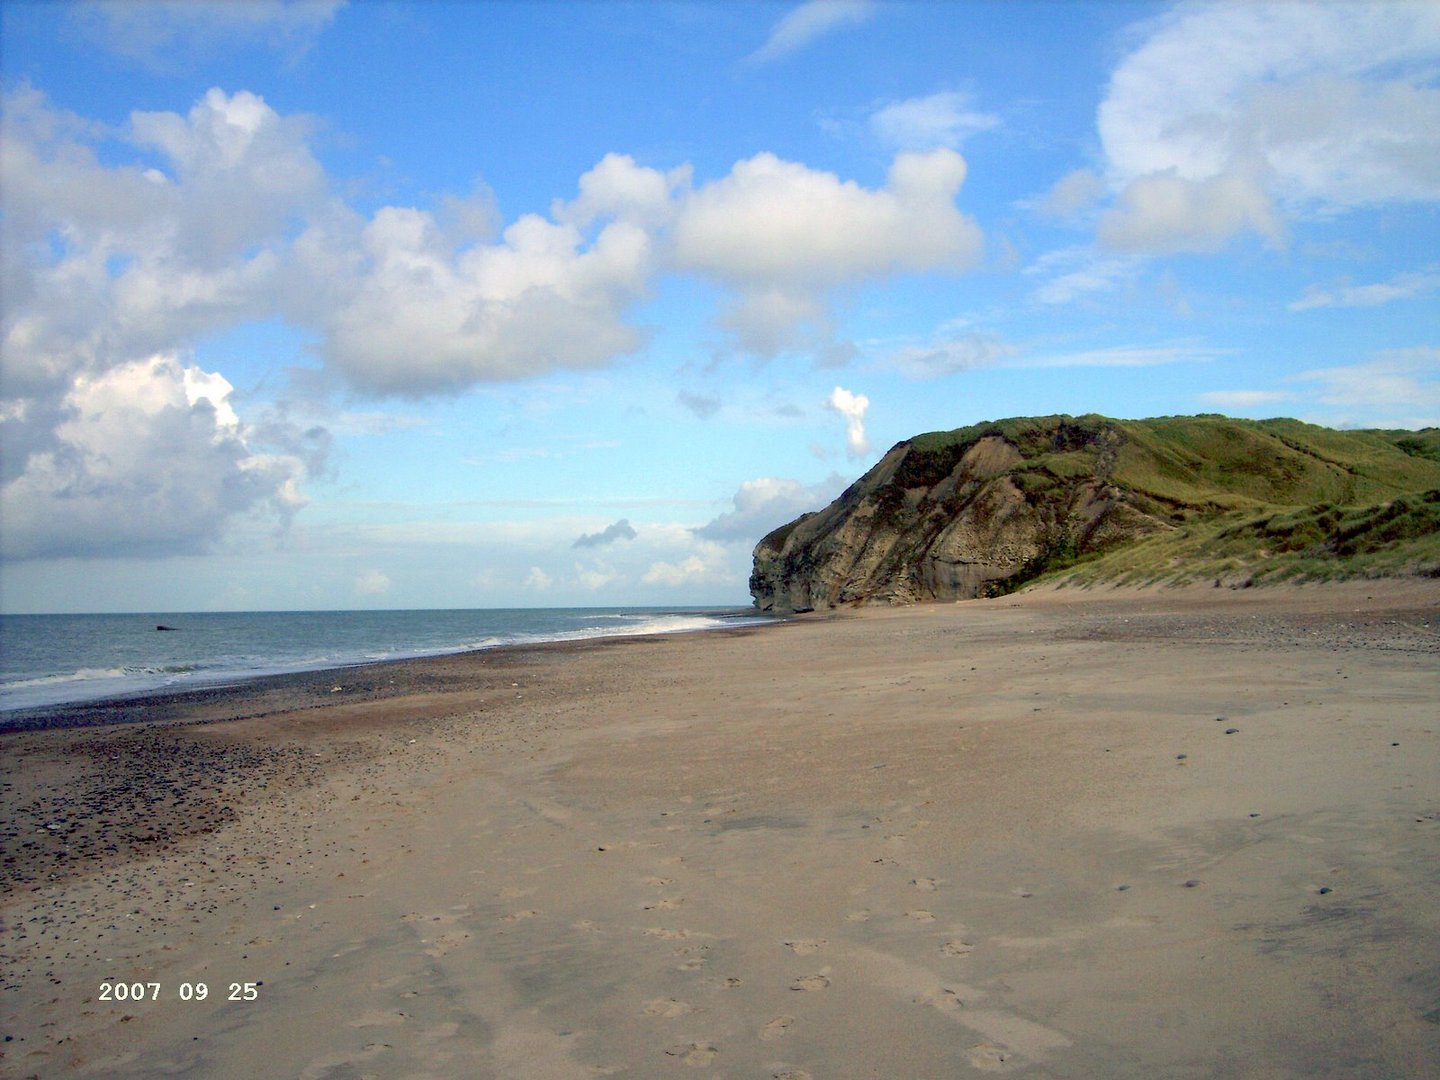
(245, 364)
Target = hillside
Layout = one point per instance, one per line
(984, 509)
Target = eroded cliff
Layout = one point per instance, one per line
(953, 515)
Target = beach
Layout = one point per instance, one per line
(1105, 833)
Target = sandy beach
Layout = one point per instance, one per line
(1185, 833)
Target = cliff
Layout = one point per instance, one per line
(984, 509)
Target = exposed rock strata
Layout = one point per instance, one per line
(976, 511)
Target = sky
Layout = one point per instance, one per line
(321, 305)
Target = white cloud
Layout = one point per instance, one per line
(1124, 356)
(408, 313)
(372, 583)
(852, 407)
(1405, 286)
(619, 188)
(595, 577)
(767, 503)
(151, 259)
(965, 352)
(1072, 193)
(709, 564)
(538, 579)
(772, 223)
(1228, 114)
(782, 235)
(1164, 212)
(1071, 273)
(1393, 378)
(1243, 399)
(146, 458)
(162, 34)
(1394, 388)
(923, 123)
(812, 19)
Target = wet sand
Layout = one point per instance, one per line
(1192, 833)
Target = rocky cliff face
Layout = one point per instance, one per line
(944, 522)
(977, 511)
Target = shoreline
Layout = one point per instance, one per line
(955, 839)
(311, 682)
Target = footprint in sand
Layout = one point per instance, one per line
(670, 903)
(378, 1018)
(445, 944)
(668, 1008)
(776, 1028)
(657, 882)
(516, 916)
(957, 948)
(804, 946)
(989, 1057)
(920, 916)
(791, 1074)
(664, 934)
(944, 999)
(858, 916)
(810, 982)
(695, 1054)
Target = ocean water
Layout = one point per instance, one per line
(57, 659)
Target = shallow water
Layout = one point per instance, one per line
(55, 659)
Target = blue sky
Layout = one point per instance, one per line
(328, 305)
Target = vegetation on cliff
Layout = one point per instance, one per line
(987, 508)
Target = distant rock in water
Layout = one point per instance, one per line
(163, 627)
(981, 510)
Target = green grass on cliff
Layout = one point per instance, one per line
(1320, 543)
(1249, 501)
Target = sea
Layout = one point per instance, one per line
(61, 659)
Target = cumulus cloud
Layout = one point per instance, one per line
(407, 312)
(771, 222)
(782, 235)
(538, 579)
(620, 530)
(708, 565)
(372, 583)
(595, 578)
(1229, 115)
(111, 442)
(923, 123)
(123, 244)
(852, 407)
(147, 458)
(765, 504)
(1072, 193)
(619, 188)
(1164, 212)
(812, 19)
